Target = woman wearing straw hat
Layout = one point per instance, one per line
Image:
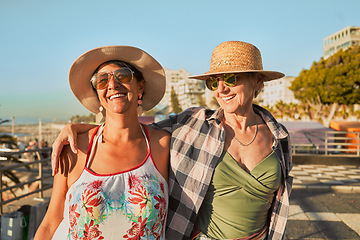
(115, 187)
(229, 175)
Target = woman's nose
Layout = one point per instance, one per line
(221, 86)
(113, 83)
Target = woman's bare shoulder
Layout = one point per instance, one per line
(84, 139)
(160, 149)
(157, 132)
(162, 136)
(69, 160)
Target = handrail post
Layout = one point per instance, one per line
(293, 149)
(41, 193)
(358, 143)
(326, 143)
(1, 193)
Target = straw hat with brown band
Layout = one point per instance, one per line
(84, 67)
(237, 57)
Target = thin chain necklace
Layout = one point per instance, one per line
(243, 144)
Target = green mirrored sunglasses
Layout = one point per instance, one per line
(229, 80)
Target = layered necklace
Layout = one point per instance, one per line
(243, 144)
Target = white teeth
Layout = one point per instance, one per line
(117, 95)
(227, 98)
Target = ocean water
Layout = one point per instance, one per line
(16, 134)
(25, 120)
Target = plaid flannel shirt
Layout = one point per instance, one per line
(197, 143)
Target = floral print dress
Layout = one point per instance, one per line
(126, 205)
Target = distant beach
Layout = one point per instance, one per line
(20, 128)
(27, 120)
(27, 132)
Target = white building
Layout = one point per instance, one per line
(277, 90)
(342, 39)
(188, 90)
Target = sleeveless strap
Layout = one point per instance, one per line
(94, 142)
(99, 139)
(146, 135)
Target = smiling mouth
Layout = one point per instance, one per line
(228, 98)
(117, 96)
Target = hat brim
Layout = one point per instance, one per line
(268, 75)
(84, 67)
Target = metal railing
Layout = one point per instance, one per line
(33, 166)
(325, 142)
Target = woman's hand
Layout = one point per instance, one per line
(68, 135)
(65, 137)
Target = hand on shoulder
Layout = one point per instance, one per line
(70, 160)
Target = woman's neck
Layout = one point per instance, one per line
(240, 120)
(122, 128)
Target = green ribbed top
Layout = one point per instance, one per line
(237, 202)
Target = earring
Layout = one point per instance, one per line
(139, 99)
(100, 116)
(139, 108)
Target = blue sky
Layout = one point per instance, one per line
(40, 40)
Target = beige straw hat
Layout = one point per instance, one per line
(84, 67)
(237, 57)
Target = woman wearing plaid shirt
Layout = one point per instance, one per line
(229, 175)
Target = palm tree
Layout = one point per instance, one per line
(9, 141)
(214, 103)
(175, 105)
(280, 108)
(4, 121)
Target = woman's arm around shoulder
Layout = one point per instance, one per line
(67, 136)
(175, 121)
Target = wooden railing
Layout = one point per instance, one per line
(34, 166)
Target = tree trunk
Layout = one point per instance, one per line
(334, 108)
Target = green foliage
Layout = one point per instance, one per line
(7, 139)
(12, 177)
(148, 113)
(214, 103)
(10, 141)
(330, 84)
(201, 100)
(284, 110)
(4, 121)
(280, 107)
(175, 105)
(334, 80)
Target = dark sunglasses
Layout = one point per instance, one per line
(100, 80)
(229, 80)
